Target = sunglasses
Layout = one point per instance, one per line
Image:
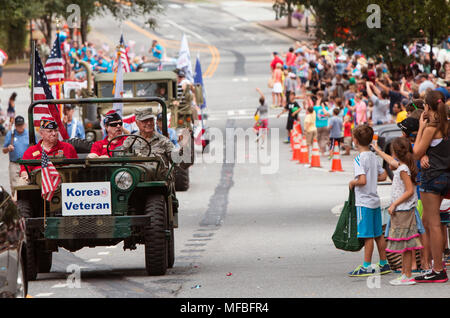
(115, 124)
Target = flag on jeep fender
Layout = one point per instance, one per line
(50, 177)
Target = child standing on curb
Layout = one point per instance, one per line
(368, 171)
(402, 232)
(263, 121)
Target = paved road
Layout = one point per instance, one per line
(243, 232)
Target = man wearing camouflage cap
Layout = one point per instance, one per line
(160, 144)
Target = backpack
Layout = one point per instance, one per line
(345, 235)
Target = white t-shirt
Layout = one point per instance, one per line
(2, 57)
(398, 188)
(367, 163)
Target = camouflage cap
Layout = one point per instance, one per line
(144, 113)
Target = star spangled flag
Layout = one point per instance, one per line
(54, 69)
(50, 177)
(41, 90)
(123, 57)
(184, 59)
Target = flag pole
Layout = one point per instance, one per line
(33, 62)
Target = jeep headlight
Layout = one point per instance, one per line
(123, 180)
(90, 136)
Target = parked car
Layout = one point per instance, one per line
(13, 281)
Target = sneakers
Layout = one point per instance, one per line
(432, 277)
(385, 269)
(361, 271)
(402, 281)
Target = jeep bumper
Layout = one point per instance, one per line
(88, 227)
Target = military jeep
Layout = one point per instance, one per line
(101, 202)
(162, 84)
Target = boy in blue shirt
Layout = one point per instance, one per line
(368, 172)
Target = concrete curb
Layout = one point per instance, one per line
(284, 34)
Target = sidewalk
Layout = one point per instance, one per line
(296, 33)
(15, 75)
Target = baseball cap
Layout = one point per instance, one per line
(111, 116)
(48, 123)
(19, 121)
(144, 113)
(409, 125)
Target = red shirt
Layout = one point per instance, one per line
(60, 150)
(290, 59)
(99, 147)
(275, 61)
(348, 129)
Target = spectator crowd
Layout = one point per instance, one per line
(345, 95)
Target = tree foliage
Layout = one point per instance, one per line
(345, 21)
(15, 14)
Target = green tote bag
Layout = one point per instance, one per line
(345, 235)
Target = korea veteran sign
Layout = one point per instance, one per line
(93, 198)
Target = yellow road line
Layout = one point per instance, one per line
(196, 47)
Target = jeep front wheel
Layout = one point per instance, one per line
(155, 236)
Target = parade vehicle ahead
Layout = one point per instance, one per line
(386, 134)
(162, 84)
(128, 197)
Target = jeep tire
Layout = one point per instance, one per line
(44, 261)
(181, 179)
(31, 261)
(155, 236)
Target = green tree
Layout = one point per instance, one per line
(14, 18)
(346, 21)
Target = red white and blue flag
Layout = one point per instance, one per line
(123, 56)
(54, 69)
(50, 177)
(41, 90)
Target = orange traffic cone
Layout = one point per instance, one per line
(336, 164)
(298, 127)
(315, 155)
(296, 151)
(304, 156)
(293, 133)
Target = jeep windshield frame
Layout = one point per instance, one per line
(92, 101)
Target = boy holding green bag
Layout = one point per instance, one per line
(368, 172)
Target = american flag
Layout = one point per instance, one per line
(50, 177)
(124, 56)
(54, 69)
(41, 90)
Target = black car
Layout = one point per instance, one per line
(387, 133)
(13, 282)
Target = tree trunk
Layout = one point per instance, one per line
(48, 30)
(84, 28)
(289, 14)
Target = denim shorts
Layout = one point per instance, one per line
(439, 185)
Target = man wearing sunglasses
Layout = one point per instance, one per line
(114, 127)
